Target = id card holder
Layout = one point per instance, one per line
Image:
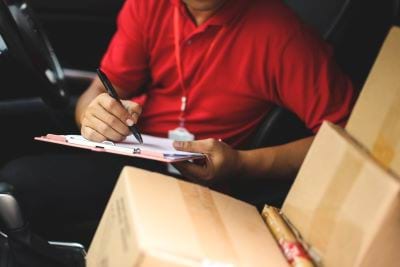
(178, 134)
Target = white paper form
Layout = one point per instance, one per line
(153, 146)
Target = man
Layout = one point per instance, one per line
(212, 69)
(241, 55)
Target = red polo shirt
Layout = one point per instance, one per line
(248, 57)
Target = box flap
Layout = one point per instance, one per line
(375, 120)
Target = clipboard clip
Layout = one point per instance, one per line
(108, 143)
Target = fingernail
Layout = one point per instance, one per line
(178, 144)
(134, 117)
(129, 122)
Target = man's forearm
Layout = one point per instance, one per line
(279, 162)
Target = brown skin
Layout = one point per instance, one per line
(204, 5)
(223, 162)
(102, 118)
(201, 10)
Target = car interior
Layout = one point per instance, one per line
(49, 50)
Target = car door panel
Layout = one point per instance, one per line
(79, 32)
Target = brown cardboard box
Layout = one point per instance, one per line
(375, 121)
(345, 205)
(155, 220)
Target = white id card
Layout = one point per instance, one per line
(178, 134)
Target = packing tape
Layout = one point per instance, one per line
(208, 224)
(388, 138)
(326, 213)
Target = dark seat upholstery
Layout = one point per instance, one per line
(356, 29)
(397, 16)
(324, 16)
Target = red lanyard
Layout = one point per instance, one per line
(179, 62)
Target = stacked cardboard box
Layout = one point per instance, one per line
(344, 204)
(345, 201)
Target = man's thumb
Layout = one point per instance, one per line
(187, 146)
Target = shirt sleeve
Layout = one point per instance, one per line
(309, 82)
(125, 61)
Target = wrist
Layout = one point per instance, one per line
(78, 116)
(241, 166)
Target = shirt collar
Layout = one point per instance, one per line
(231, 9)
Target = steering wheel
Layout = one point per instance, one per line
(23, 41)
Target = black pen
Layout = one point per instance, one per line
(111, 91)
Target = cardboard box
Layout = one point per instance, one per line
(375, 121)
(156, 220)
(345, 205)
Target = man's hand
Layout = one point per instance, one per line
(105, 119)
(221, 160)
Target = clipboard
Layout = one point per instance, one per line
(153, 148)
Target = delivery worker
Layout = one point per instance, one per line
(206, 70)
(216, 68)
